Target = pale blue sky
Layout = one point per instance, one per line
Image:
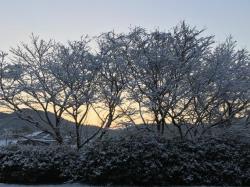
(69, 19)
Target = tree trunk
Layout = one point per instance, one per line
(230, 112)
(78, 141)
(58, 136)
(162, 126)
(158, 125)
(108, 124)
(178, 127)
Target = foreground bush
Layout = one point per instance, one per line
(145, 160)
(158, 161)
(37, 164)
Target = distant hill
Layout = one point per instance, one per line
(10, 123)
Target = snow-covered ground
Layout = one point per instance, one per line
(35, 136)
(7, 142)
(59, 185)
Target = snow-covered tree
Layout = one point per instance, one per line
(178, 77)
(74, 67)
(39, 90)
(218, 89)
(160, 63)
(9, 75)
(190, 49)
(112, 81)
(225, 92)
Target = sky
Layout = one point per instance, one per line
(65, 20)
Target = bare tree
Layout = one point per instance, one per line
(39, 90)
(228, 96)
(9, 75)
(75, 68)
(191, 50)
(160, 64)
(176, 77)
(112, 80)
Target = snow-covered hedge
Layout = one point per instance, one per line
(141, 160)
(146, 161)
(38, 164)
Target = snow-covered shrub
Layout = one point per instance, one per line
(146, 160)
(37, 164)
(142, 160)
